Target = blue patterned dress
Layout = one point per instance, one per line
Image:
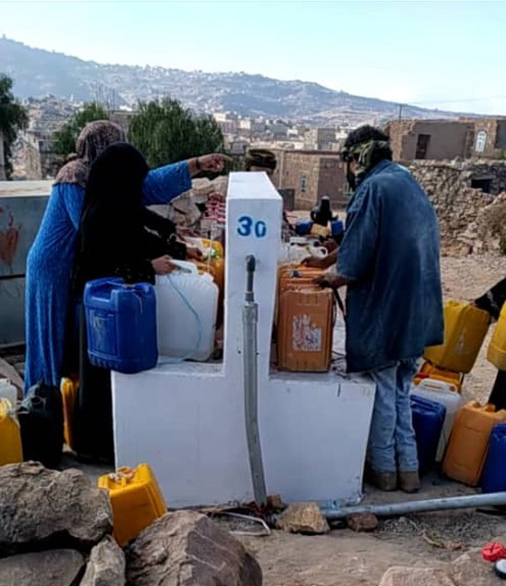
(50, 263)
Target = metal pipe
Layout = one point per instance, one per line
(442, 504)
(250, 359)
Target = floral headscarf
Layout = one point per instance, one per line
(93, 140)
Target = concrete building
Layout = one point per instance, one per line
(226, 121)
(312, 174)
(445, 139)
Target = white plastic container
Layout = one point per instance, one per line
(446, 394)
(186, 308)
(8, 391)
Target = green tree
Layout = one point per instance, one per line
(13, 118)
(65, 138)
(166, 132)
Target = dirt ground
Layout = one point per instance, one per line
(344, 558)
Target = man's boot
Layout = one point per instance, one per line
(409, 482)
(385, 481)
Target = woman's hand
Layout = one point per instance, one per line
(163, 265)
(193, 253)
(213, 163)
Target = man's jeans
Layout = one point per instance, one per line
(392, 444)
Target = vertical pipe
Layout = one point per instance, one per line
(250, 358)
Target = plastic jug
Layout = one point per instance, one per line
(69, 391)
(428, 420)
(428, 370)
(304, 330)
(11, 450)
(136, 501)
(468, 445)
(465, 329)
(494, 473)
(8, 391)
(187, 304)
(303, 227)
(121, 325)
(445, 394)
(497, 348)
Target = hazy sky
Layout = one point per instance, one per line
(450, 55)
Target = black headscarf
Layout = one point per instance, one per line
(112, 240)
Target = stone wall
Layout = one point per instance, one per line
(471, 220)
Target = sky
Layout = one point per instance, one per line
(450, 55)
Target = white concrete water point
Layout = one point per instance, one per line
(187, 420)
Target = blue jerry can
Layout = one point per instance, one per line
(494, 474)
(121, 325)
(428, 420)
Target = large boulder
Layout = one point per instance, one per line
(43, 509)
(471, 570)
(58, 567)
(106, 566)
(187, 549)
(400, 576)
(303, 518)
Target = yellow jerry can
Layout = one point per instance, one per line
(497, 349)
(69, 389)
(465, 329)
(136, 501)
(11, 450)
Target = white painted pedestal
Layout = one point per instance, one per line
(187, 420)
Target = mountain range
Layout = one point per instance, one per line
(38, 73)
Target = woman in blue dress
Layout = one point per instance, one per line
(50, 260)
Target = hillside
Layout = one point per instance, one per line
(38, 73)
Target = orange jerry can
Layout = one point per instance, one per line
(11, 450)
(69, 390)
(428, 370)
(136, 501)
(465, 329)
(304, 332)
(468, 445)
(497, 349)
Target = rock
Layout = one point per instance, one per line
(185, 548)
(42, 508)
(58, 567)
(399, 576)
(362, 522)
(471, 570)
(275, 502)
(106, 566)
(303, 518)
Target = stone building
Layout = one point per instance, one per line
(447, 139)
(321, 139)
(470, 200)
(312, 174)
(35, 157)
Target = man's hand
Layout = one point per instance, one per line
(321, 263)
(317, 262)
(331, 280)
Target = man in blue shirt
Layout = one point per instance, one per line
(390, 261)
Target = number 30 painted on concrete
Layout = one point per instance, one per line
(247, 226)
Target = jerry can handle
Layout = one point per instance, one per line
(123, 475)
